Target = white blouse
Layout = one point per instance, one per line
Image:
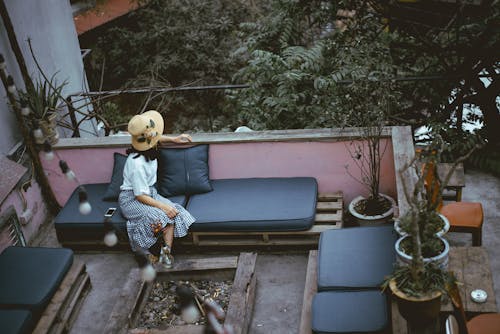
(139, 174)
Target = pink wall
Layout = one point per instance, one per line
(35, 203)
(323, 160)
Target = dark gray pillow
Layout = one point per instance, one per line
(113, 190)
(183, 171)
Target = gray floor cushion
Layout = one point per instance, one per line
(349, 312)
(357, 257)
(70, 225)
(256, 204)
(15, 321)
(31, 275)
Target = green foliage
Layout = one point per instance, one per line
(43, 97)
(432, 278)
(170, 44)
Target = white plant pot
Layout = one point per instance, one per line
(364, 220)
(440, 233)
(441, 260)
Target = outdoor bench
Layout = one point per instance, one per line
(40, 289)
(344, 295)
(238, 206)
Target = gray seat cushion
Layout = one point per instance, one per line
(70, 225)
(349, 312)
(31, 275)
(357, 257)
(16, 321)
(256, 204)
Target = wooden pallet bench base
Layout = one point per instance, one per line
(64, 306)
(329, 213)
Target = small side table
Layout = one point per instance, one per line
(456, 182)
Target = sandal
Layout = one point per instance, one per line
(166, 259)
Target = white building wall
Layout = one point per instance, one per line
(50, 27)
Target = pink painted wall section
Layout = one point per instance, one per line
(323, 160)
(90, 165)
(34, 203)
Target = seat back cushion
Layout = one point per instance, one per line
(349, 312)
(256, 204)
(71, 225)
(356, 257)
(183, 171)
(113, 190)
(16, 321)
(31, 275)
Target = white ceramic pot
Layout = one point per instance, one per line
(440, 233)
(364, 220)
(441, 260)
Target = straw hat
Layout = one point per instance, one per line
(146, 129)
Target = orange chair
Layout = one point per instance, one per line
(463, 216)
(487, 323)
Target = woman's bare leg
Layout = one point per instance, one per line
(168, 235)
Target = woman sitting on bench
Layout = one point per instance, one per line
(147, 212)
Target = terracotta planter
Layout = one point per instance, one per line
(366, 220)
(441, 259)
(418, 311)
(440, 233)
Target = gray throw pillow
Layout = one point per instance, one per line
(113, 190)
(183, 171)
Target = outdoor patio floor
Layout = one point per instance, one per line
(280, 275)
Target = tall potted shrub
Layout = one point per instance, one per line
(370, 114)
(419, 283)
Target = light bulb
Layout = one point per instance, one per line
(70, 175)
(11, 87)
(47, 148)
(110, 239)
(49, 156)
(37, 133)
(25, 111)
(190, 314)
(148, 273)
(85, 208)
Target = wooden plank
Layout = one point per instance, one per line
(52, 312)
(328, 206)
(247, 242)
(333, 134)
(328, 217)
(330, 196)
(186, 329)
(310, 289)
(126, 303)
(70, 311)
(242, 294)
(209, 263)
(456, 265)
(477, 275)
(404, 152)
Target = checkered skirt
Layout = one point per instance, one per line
(140, 217)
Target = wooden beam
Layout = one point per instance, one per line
(333, 134)
(404, 152)
(310, 289)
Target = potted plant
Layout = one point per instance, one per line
(420, 279)
(39, 103)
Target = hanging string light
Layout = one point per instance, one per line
(11, 87)
(2, 62)
(70, 175)
(148, 273)
(84, 206)
(25, 109)
(110, 238)
(47, 149)
(37, 132)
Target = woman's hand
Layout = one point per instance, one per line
(183, 138)
(169, 210)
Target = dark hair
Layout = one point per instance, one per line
(149, 155)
